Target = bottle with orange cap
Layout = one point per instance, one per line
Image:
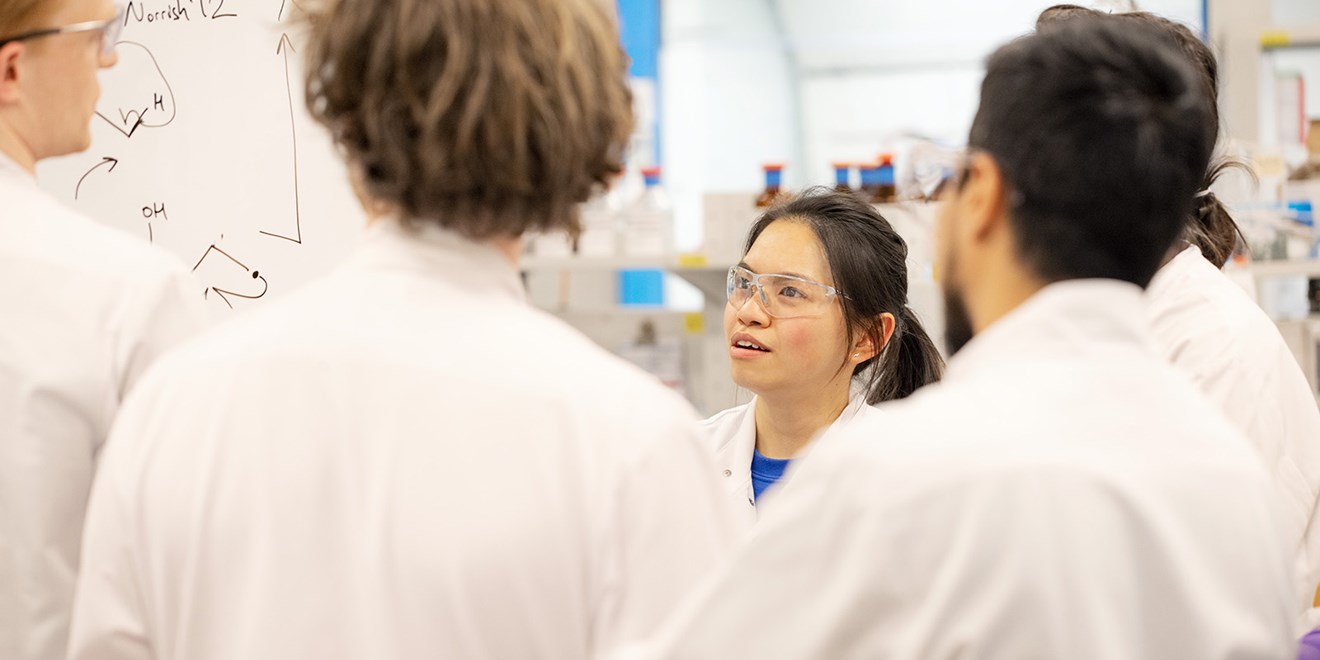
(841, 173)
(648, 222)
(870, 178)
(774, 174)
(886, 188)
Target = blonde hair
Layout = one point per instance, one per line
(17, 16)
(487, 117)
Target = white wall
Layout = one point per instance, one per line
(811, 81)
(726, 101)
(1294, 12)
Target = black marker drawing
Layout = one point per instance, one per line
(151, 212)
(134, 90)
(283, 4)
(104, 160)
(215, 12)
(137, 11)
(227, 265)
(284, 48)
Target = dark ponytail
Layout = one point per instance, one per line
(910, 361)
(1212, 228)
(869, 262)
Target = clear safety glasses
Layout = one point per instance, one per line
(782, 296)
(110, 31)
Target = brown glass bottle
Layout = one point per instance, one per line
(774, 173)
(869, 171)
(886, 190)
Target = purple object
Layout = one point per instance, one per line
(1309, 648)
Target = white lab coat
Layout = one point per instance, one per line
(1220, 338)
(404, 460)
(1062, 493)
(733, 434)
(85, 310)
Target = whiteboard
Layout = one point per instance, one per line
(202, 145)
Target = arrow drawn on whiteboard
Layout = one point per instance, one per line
(225, 293)
(104, 160)
(284, 48)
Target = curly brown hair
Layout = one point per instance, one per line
(487, 117)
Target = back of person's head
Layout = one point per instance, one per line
(1102, 133)
(486, 117)
(1175, 33)
(868, 261)
(1210, 226)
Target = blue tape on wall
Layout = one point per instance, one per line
(639, 25)
(642, 287)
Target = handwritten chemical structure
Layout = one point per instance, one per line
(224, 270)
(142, 97)
(153, 212)
(138, 99)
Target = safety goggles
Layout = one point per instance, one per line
(782, 296)
(109, 29)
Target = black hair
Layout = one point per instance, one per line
(1103, 134)
(1210, 226)
(869, 262)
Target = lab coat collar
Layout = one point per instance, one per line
(1177, 271)
(1073, 318)
(735, 455)
(474, 265)
(735, 450)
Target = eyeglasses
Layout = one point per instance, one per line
(782, 296)
(110, 31)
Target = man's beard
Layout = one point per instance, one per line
(957, 322)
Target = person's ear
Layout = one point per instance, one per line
(11, 74)
(864, 345)
(983, 201)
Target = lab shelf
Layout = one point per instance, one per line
(695, 263)
(1289, 268)
(620, 310)
(1297, 36)
(707, 275)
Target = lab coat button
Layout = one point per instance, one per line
(728, 473)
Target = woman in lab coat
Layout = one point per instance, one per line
(818, 327)
(1220, 338)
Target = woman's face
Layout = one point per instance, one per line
(789, 354)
